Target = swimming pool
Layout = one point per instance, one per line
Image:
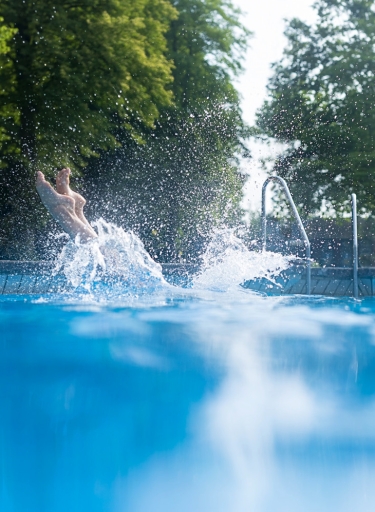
(187, 400)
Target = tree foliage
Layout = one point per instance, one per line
(184, 179)
(78, 70)
(72, 72)
(206, 43)
(136, 97)
(6, 34)
(322, 105)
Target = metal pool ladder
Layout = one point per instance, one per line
(282, 182)
(355, 246)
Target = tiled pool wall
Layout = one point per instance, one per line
(28, 277)
(331, 282)
(39, 277)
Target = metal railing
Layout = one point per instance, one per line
(355, 246)
(298, 219)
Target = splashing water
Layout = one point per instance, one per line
(227, 263)
(119, 258)
(116, 255)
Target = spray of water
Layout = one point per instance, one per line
(116, 256)
(117, 262)
(227, 263)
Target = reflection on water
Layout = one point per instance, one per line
(206, 403)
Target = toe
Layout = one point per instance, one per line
(39, 176)
(62, 181)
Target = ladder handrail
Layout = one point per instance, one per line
(355, 246)
(282, 182)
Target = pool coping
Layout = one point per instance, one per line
(21, 277)
(39, 277)
(24, 267)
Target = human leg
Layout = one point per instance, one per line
(63, 207)
(63, 187)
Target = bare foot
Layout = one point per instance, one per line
(63, 209)
(63, 187)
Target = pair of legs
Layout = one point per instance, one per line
(65, 206)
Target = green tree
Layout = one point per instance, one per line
(71, 74)
(322, 106)
(206, 43)
(82, 68)
(184, 180)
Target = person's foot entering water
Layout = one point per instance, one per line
(65, 205)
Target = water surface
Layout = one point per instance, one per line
(187, 400)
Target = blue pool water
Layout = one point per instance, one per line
(188, 401)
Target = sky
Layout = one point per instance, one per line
(266, 19)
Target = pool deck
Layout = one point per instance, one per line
(37, 277)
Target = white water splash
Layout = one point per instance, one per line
(116, 255)
(119, 259)
(227, 263)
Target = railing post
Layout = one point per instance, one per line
(264, 217)
(282, 182)
(308, 268)
(355, 246)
